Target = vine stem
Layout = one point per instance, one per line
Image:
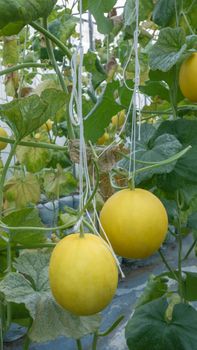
(22, 66)
(95, 341)
(187, 22)
(167, 264)
(53, 60)
(71, 133)
(4, 173)
(79, 344)
(164, 162)
(32, 246)
(26, 343)
(53, 38)
(33, 228)
(180, 246)
(9, 268)
(1, 326)
(190, 250)
(35, 144)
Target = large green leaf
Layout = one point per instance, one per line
(30, 286)
(145, 9)
(163, 12)
(185, 171)
(156, 88)
(190, 286)
(98, 8)
(63, 27)
(99, 118)
(27, 217)
(192, 221)
(92, 65)
(35, 159)
(151, 150)
(125, 94)
(15, 14)
(22, 190)
(10, 51)
(51, 321)
(149, 329)
(58, 182)
(168, 49)
(161, 77)
(189, 283)
(155, 288)
(25, 115)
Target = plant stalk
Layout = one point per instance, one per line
(52, 38)
(4, 173)
(35, 144)
(26, 343)
(22, 66)
(180, 246)
(71, 133)
(190, 250)
(79, 344)
(95, 341)
(9, 269)
(167, 264)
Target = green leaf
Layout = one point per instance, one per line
(169, 78)
(84, 5)
(156, 88)
(27, 289)
(20, 314)
(93, 66)
(98, 8)
(35, 266)
(57, 157)
(30, 286)
(18, 289)
(22, 190)
(168, 49)
(34, 159)
(14, 15)
(68, 219)
(151, 151)
(51, 321)
(129, 15)
(192, 221)
(155, 288)
(59, 182)
(163, 12)
(189, 284)
(25, 115)
(10, 51)
(63, 27)
(185, 171)
(99, 118)
(24, 218)
(126, 94)
(191, 41)
(148, 328)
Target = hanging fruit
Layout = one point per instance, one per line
(188, 77)
(3, 133)
(83, 274)
(135, 222)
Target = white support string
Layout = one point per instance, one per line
(135, 99)
(132, 158)
(107, 242)
(76, 97)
